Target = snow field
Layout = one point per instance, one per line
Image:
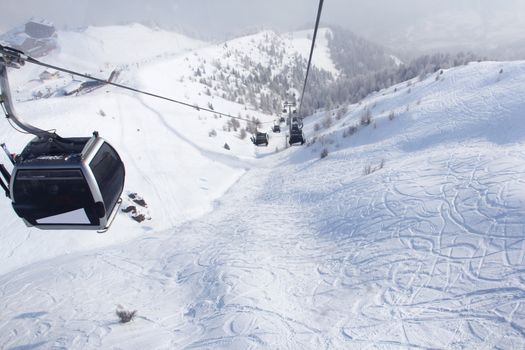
(300, 252)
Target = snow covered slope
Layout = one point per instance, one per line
(260, 71)
(100, 50)
(123, 45)
(175, 156)
(409, 234)
(431, 243)
(301, 42)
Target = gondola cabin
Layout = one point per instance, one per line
(297, 121)
(296, 135)
(261, 138)
(67, 183)
(276, 128)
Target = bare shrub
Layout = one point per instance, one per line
(341, 112)
(366, 118)
(226, 146)
(324, 153)
(233, 124)
(311, 142)
(212, 133)
(327, 121)
(125, 316)
(252, 125)
(392, 115)
(369, 169)
(242, 134)
(350, 131)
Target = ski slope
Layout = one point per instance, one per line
(158, 141)
(253, 249)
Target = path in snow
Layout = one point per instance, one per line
(388, 260)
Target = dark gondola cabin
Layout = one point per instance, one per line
(261, 138)
(276, 128)
(297, 121)
(67, 183)
(296, 135)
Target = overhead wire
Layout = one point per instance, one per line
(319, 11)
(20, 56)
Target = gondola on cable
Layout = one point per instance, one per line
(260, 139)
(296, 135)
(297, 121)
(56, 182)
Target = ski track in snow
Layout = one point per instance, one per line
(304, 253)
(413, 267)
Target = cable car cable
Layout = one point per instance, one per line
(311, 51)
(19, 57)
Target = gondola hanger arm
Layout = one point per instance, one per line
(6, 100)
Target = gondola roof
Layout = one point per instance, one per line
(55, 152)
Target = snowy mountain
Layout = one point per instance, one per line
(258, 70)
(408, 233)
(157, 140)
(355, 56)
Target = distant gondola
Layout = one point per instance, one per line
(259, 139)
(296, 135)
(297, 121)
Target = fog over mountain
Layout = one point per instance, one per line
(411, 25)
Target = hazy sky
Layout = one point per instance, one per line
(391, 22)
